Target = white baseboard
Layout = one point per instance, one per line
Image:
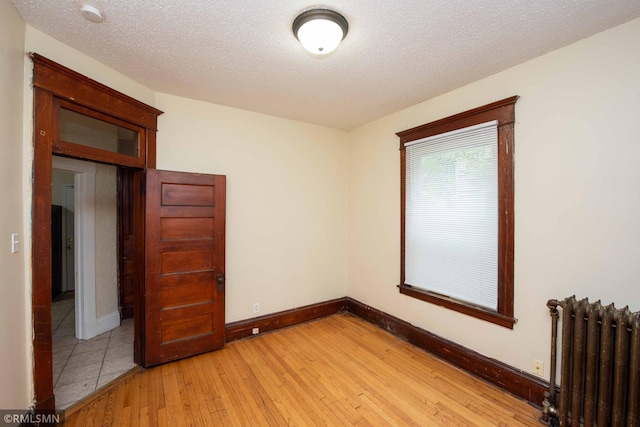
(108, 322)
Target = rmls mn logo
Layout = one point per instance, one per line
(11, 418)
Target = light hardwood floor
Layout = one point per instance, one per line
(339, 370)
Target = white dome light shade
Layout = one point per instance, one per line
(320, 31)
(320, 36)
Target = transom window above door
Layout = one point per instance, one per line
(86, 133)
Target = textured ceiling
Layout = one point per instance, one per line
(243, 54)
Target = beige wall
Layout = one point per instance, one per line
(15, 295)
(286, 200)
(577, 187)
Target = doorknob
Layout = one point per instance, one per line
(220, 280)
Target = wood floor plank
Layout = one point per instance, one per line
(339, 370)
(155, 395)
(118, 405)
(99, 414)
(174, 412)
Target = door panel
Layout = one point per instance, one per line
(187, 228)
(184, 252)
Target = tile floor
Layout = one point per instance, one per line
(82, 366)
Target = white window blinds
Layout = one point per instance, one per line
(451, 214)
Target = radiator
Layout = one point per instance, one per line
(600, 365)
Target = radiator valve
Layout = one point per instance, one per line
(549, 412)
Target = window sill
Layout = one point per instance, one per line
(461, 307)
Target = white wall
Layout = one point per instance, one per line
(106, 211)
(577, 193)
(286, 200)
(15, 295)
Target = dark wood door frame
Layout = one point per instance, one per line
(53, 82)
(127, 265)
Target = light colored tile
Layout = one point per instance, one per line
(55, 323)
(106, 379)
(84, 359)
(60, 352)
(117, 351)
(61, 342)
(126, 330)
(74, 374)
(56, 373)
(65, 331)
(59, 363)
(59, 314)
(68, 321)
(86, 346)
(60, 311)
(63, 349)
(120, 340)
(102, 336)
(71, 393)
(119, 364)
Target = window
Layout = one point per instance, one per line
(89, 134)
(85, 130)
(457, 212)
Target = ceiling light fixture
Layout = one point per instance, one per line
(91, 13)
(320, 31)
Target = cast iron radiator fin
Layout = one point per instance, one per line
(599, 367)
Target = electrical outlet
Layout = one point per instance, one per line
(256, 307)
(538, 368)
(255, 331)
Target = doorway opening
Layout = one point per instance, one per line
(66, 104)
(62, 235)
(90, 344)
(174, 223)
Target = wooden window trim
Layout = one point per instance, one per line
(504, 112)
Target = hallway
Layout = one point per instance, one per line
(83, 366)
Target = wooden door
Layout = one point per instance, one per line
(184, 271)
